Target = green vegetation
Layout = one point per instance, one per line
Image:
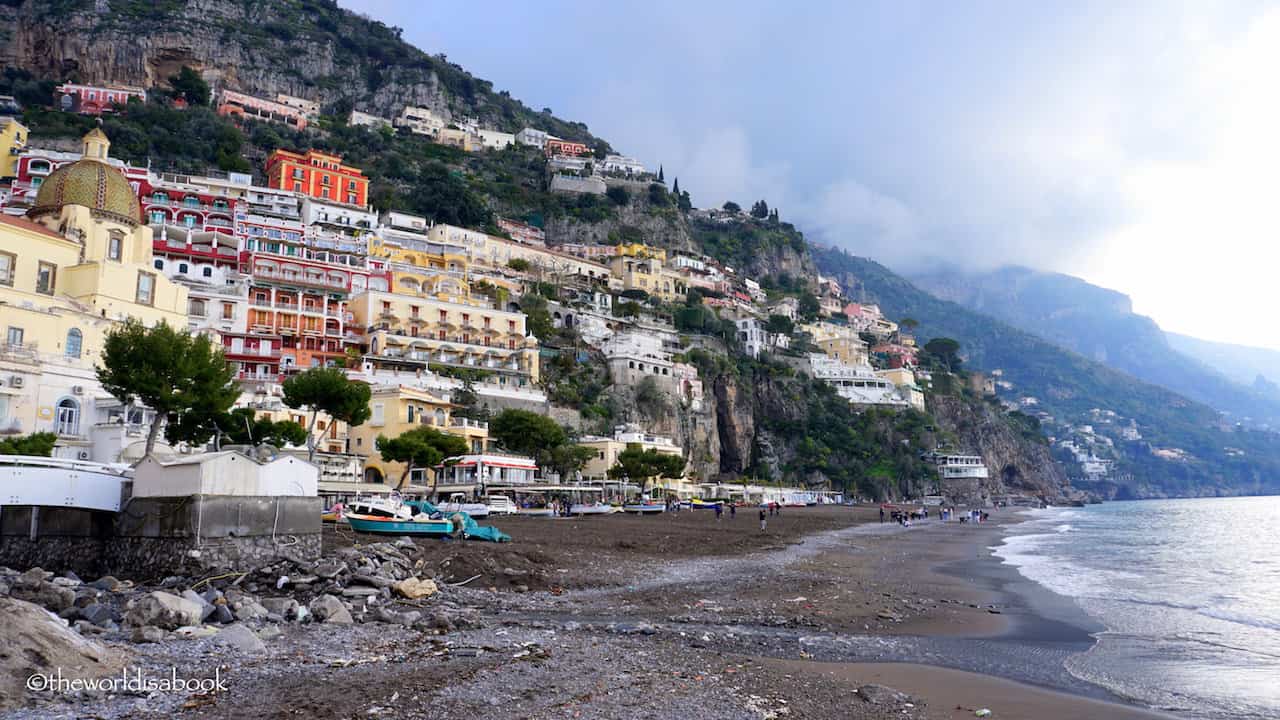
(421, 447)
(176, 374)
(740, 244)
(539, 437)
(38, 444)
(327, 390)
(188, 85)
(638, 465)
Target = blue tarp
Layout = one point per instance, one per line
(471, 530)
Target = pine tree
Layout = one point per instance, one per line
(675, 187)
(660, 178)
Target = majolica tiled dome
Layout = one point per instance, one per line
(93, 184)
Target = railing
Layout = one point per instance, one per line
(468, 423)
(23, 352)
(300, 279)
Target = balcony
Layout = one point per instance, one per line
(309, 281)
(468, 423)
(252, 354)
(25, 353)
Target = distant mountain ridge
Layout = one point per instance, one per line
(1256, 367)
(1100, 324)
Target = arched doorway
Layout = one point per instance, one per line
(68, 417)
(372, 475)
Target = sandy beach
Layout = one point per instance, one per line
(676, 616)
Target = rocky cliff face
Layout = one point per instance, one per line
(1018, 465)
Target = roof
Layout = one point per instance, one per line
(28, 225)
(92, 184)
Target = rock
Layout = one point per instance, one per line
(195, 631)
(222, 615)
(36, 641)
(250, 610)
(106, 583)
(441, 621)
(360, 592)
(378, 581)
(329, 609)
(206, 607)
(164, 610)
(73, 577)
(285, 607)
(330, 569)
(147, 634)
(33, 576)
(97, 614)
(270, 632)
(66, 582)
(414, 588)
(881, 695)
(241, 639)
(43, 593)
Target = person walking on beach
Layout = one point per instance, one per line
(733, 510)
(719, 509)
(764, 521)
(882, 514)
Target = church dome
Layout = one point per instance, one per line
(93, 184)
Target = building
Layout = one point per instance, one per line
(95, 99)
(461, 139)
(75, 267)
(36, 164)
(409, 331)
(495, 140)
(494, 253)
(173, 202)
(530, 136)
(640, 271)
(420, 121)
(239, 105)
(13, 139)
(319, 175)
(962, 476)
(366, 120)
(858, 384)
(225, 473)
(396, 409)
(622, 165)
(578, 185)
(905, 380)
(478, 474)
(607, 450)
(310, 109)
(633, 356)
(523, 233)
(555, 146)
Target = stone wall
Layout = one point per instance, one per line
(154, 537)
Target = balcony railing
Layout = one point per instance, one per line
(468, 423)
(300, 279)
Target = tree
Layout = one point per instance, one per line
(527, 433)
(537, 316)
(637, 464)
(660, 178)
(40, 444)
(760, 209)
(618, 194)
(675, 187)
(732, 207)
(909, 323)
(779, 324)
(242, 427)
(189, 85)
(809, 306)
(518, 264)
(421, 447)
(327, 389)
(684, 202)
(946, 350)
(170, 371)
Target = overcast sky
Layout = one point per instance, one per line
(1133, 144)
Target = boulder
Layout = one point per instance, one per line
(106, 583)
(164, 610)
(250, 610)
(43, 593)
(147, 634)
(881, 695)
(97, 614)
(414, 588)
(241, 639)
(285, 607)
(222, 615)
(329, 609)
(36, 641)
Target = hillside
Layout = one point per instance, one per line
(1258, 368)
(1069, 386)
(1099, 324)
(306, 48)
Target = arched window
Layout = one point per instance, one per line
(68, 421)
(439, 417)
(75, 341)
(182, 268)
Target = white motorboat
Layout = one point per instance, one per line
(500, 505)
(596, 508)
(458, 503)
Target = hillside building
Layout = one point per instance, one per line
(319, 175)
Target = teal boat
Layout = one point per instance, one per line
(391, 526)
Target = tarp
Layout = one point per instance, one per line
(471, 530)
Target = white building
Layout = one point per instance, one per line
(367, 120)
(225, 473)
(494, 139)
(347, 219)
(858, 384)
(633, 356)
(752, 336)
(420, 121)
(310, 109)
(622, 164)
(530, 136)
(960, 467)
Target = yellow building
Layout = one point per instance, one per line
(417, 331)
(607, 450)
(398, 408)
(640, 272)
(840, 342)
(905, 380)
(497, 253)
(13, 138)
(77, 265)
(640, 250)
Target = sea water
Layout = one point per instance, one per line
(1188, 590)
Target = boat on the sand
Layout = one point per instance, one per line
(646, 508)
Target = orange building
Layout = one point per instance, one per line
(556, 146)
(318, 174)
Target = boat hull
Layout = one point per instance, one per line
(644, 509)
(536, 512)
(591, 509)
(378, 526)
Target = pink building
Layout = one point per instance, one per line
(95, 99)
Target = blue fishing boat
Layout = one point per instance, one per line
(392, 526)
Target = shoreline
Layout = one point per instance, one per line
(714, 616)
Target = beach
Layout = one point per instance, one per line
(679, 615)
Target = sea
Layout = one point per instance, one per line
(1188, 591)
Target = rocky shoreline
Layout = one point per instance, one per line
(390, 629)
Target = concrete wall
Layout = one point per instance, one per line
(226, 474)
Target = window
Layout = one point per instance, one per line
(46, 275)
(207, 272)
(8, 262)
(183, 268)
(75, 341)
(68, 421)
(195, 307)
(376, 417)
(158, 263)
(228, 311)
(115, 246)
(146, 293)
(14, 338)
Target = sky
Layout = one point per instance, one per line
(1133, 144)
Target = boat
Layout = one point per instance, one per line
(458, 503)
(536, 512)
(419, 525)
(389, 507)
(697, 504)
(500, 505)
(594, 508)
(645, 508)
